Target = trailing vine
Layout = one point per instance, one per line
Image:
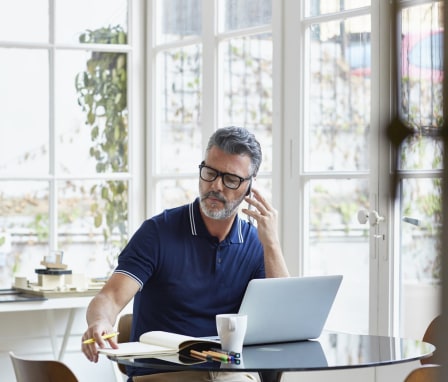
(102, 95)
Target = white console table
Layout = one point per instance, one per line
(50, 306)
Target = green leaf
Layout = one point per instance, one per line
(98, 220)
(90, 118)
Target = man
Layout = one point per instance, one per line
(190, 263)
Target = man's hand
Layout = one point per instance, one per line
(96, 332)
(266, 217)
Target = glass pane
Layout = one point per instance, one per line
(338, 244)
(24, 229)
(91, 112)
(420, 152)
(316, 8)
(179, 110)
(338, 96)
(92, 224)
(421, 108)
(24, 112)
(421, 223)
(421, 75)
(86, 20)
(24, 20)
(178, 19)
(240, 14)
(172, 193)
(247, 88)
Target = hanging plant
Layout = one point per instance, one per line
(102, 95)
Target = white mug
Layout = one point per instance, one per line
(231, 331)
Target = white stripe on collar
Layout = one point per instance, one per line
(192, 222)
(240, 233)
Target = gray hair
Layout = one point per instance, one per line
(239, 141)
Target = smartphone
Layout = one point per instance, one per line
(249, 206)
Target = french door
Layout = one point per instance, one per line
(344, 88)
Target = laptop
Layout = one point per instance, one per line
(288, 309)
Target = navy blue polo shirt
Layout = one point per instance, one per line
(187, 276)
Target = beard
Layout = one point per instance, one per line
(229, 207)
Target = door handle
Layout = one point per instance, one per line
(373, 217)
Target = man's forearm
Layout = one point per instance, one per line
(101, 308)
(274, 263)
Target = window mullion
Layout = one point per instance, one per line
(53, 205)
(210, 70)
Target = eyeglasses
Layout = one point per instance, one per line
(231, 181)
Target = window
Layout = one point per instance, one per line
(209, 72)
(335, 143)
(337, 103)
(420, 107)
(310, 78)
(65, 174)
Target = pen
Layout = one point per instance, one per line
(104, 337)
(200, 355)
(207, 357)
(223, 357)
(231, 353)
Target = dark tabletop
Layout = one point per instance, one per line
(330, 351)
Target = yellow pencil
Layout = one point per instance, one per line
(104, 337)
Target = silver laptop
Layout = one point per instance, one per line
(288, 309)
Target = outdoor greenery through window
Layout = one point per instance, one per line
(64, 171)
(420, 68)
(421, 104)
(243, 90)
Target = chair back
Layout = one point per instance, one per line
(432, 336)
(33, 370)
(124, 333)
(427, 373)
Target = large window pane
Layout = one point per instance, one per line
(421, 152)
(24, 20)
(247, 88)
(92, 224)
(91, 116)
(65, 114)
(179, 110)
(24, 112)
(420, 69)
(338, 101)
(75, 17)
(338, 244)
(321, 7)
(421, 75)
(420, 271)
(178, 19)
(24, 228)
(240, 14)
(176, 192)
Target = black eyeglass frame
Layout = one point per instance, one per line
(222, 175)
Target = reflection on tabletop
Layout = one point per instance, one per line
(330, 351)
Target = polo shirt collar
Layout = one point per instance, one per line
(198, 227)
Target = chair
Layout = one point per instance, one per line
(427, 373)
(33, 370)
(124, 334)
(124, 329)
(431, 336)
